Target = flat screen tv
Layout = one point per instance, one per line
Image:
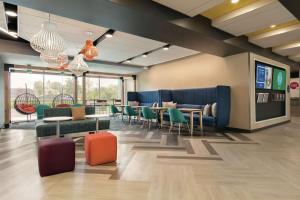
(279, 79)
(263, 76)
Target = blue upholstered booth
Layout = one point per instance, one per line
(191, 98)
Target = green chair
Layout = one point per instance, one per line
(77, 105)
(149, 115)
(176, 116)
(114, 110)
(40, 110)
(130, 112)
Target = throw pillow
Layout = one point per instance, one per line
(207, 110)
(133, 103)
(169, 104)
(78, 113)
(214, 110)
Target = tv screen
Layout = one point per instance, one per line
(263, 76)
(279, 79)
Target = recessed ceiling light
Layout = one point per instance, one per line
(11, 13)
(108, 35)
(144, 55)
(128, 61)
(235, 1)
(273, 26)
(146, 67)
(166, 48)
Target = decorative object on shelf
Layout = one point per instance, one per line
(77, 66)
(49, 43)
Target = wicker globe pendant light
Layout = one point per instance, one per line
(47, 41)
(77, 66)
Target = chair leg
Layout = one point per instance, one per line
(179, 128)
(149, 124)
(129, 118)
(188, 126)
(171, 127)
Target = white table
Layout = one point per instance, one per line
(97, 120)
(57, 120)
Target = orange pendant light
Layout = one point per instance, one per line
(89, 51)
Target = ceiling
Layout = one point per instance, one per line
(251, 18)
(116, 50)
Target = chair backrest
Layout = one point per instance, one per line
(114, 109)
(40, 110)
(130, 111)
(176, 115)
(148, 113)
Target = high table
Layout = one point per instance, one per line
(57, 120)
(97, 120)
(191, 111)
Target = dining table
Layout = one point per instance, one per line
(191, 112)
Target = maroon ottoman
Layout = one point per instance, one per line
(56, 155)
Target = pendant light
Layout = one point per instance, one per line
(89, 51)
(77, 66)
(57, 62)
(47, 41)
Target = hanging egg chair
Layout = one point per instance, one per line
(62, 101)
(26, 103)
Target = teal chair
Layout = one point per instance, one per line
(130, 112)
(114, 110)
(149, 115)
(40, 110)
(76, 105)
(176, 116)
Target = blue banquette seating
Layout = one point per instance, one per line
(191, 98)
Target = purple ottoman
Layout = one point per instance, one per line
(56, 155)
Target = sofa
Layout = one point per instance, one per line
(49, 128)
(191, 98)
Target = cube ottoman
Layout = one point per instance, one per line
(56, 155)
(100, 148)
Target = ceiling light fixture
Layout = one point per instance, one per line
(78, 66)
(5, 31)
(145, 55)
(11, 13)
(166, 47)
(128, 61)
(273, 26)
(145, 68)
(108, 35)
(13, 33)
(234, 1)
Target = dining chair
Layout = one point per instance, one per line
(176, 116)
(114, 110)
(130, 112)
(149, 115)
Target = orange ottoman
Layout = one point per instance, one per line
(100, 148)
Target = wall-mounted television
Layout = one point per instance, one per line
(263, 76)
(279, 79)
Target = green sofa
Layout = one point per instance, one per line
(49, 128)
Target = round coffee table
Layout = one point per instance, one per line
(57, 120)
(97, 120)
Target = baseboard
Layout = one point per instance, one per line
(238, 130)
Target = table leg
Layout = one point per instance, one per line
(201, 122)
(58, 129)
(192, 122)
(97, 124)
(161, 112)
(122, 109)
(139, 113)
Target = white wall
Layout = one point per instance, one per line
(202, 71)
(1, 93)
(295, 93)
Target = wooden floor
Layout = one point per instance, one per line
(155, 165)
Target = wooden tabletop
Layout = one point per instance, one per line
(55, 119)
(190, 109)
(93, 116)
